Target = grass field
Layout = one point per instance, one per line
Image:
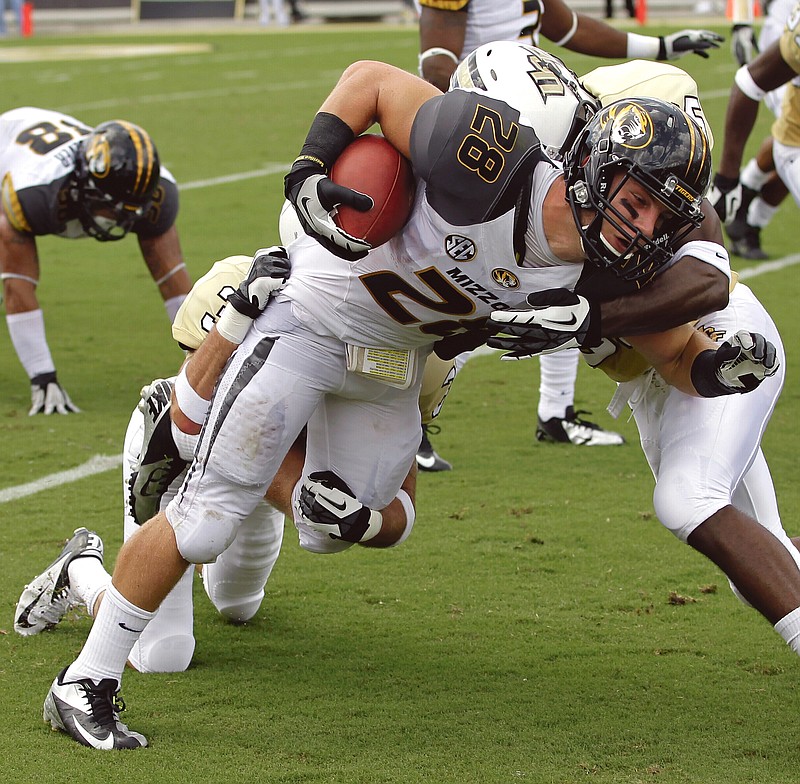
(539, 626)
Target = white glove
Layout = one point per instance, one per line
(559, 319)
(326, 504)
(725, 196)
(316, 200)
(743, 43)
(739, 365)
(47, 396)
(678, 44)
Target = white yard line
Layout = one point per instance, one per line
(101, 463)
(94, 465)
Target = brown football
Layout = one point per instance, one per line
(371, 165)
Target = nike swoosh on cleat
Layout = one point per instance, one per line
(427, 462)
(25, 614)
(128, 628)
(106, 743)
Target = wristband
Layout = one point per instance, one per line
(326, 139)
(190, 403)
(173, 271)
(232, 325)
(704, 375)
(28, 337)
(411, 515)
(643, 47)
(568, 37)
(744, 81)
(435, 51)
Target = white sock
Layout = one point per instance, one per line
(789, 628)
(118, 626)
(557, 374)
(760, 213)
(87, 578)
(752, 176)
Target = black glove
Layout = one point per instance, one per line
(743, 43)
(267, 275)
(328, 505)
(725, 196)
(738, 365)
(559, 319)
(48, 396)
(315, 198)
(678, 44)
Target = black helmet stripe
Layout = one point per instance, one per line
(143, 145)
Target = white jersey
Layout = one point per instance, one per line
(37, 164)
(463, 253)
(494, 20)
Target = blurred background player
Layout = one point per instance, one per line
(777, 66)
(762, 188)
(448, 31)
(62, 177)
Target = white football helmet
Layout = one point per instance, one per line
(535, 83)
(289, 226)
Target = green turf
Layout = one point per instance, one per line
(539, 625)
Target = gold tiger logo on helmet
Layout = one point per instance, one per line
(631, 125)
(98, 157)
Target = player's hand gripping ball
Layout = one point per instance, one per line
(371, 165)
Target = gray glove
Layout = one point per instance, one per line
(315, 199)
(676, 45)
(328, 505)
(48, 396)
(739, 365)
(743, 43)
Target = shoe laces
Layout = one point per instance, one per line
(58, 606)
(575, 419)
(105, 702)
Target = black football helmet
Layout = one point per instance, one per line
(116, 174)
(659, 146)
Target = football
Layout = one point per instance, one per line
(371, 165)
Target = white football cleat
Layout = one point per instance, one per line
(574, 430)
(47, 598)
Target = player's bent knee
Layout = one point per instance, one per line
(167, 654)
(203, 543)
(242, 610)
(679, 512)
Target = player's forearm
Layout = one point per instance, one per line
(672, 354)
(195, 385)
(739, 121)
(164, 260)
(441, 42)
(681, 294)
